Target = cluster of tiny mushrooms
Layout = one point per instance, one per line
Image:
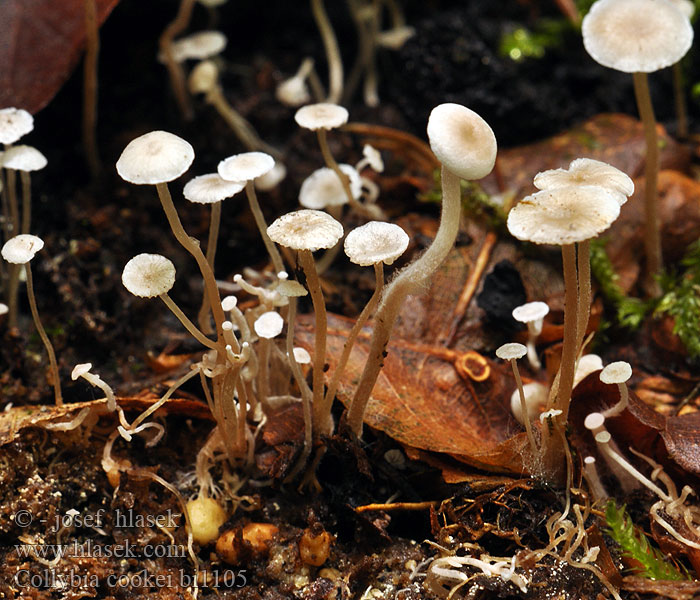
(246, 372)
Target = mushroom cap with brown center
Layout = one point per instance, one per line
(210, 188)
(148, 275)
(586, 171)
(155, 157)
(322, 115)
(14, 123)
(21, 249)
(306, 230)
(23, 158)
(564, 215)
(245, 166)
(462, 141)
(375, 242)
(636, 35)
(323, 188)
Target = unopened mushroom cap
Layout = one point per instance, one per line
(636, 35)
(306, 230)
(198, 46)
(301, 355)
(148, 275)
(587, 364)
(210, 188)
(203, 78)
(14, 123)
(323, 188)
(269, 324)
(155, 157)
(375, 242)
(80, 370)
(586, 171)
(323, 115)
(530, 311)
(594, 421)
(229, 303)
(21, 248)
(23, 158)
(564, 215)
(373, 157)
(616, 372)
(535, 397)
(462, 141)
(511, 351)
(245, 166)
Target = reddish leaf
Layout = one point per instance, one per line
(40, 43)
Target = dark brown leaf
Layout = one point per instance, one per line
(40, 43)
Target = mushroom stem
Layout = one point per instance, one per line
(523, 408)
(26, 179)
(354, 332)
(44, 338)
(584, 291)
(306, 395)
(652, 237)
(262, 227)
(330, 44)
(92, 50)
(12, 197)
(681, 105)
(211, 290)
(214, 226)
(13, 286)
(189, 325)
(321, 420)
(408, 281)
(177, 76)
(620, 406)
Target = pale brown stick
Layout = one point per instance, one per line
(92, 50)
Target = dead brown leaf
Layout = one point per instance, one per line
(40, 43)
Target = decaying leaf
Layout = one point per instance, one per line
(40, 43)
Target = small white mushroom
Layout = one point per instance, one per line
(323, 189)
(532, 314)
(586, 171)
(269, 324)
(14, 123)
(617, 373)
(155, 158)
(322, 115)
(587, 364)
(294, 91)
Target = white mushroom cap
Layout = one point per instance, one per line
(586, 171)
(323, 115)
(306, 230)
(155, 157)
(323, 188)
(462, 141)
(616, 372)
(373, 158)
(594, 421)
(395, 38)
(148, 275)
(636, 35)
(23, 158)
(4, 309)
(531, 311)
(21, 249)
(269, 180)
(80, 370)
(203, 78)
(210, 188)
(200, 45)
(229, 303)
(603, 437)
(269, 324)
(535, 397)
(14, 123)
(564, 215)
(687, 7)
(375, 242)
(511, 351)
(245, 166)
(587, 364)
(302, 356)
(291, 289)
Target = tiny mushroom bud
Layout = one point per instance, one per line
(619, 373)
(535, 399)
(206, 516)
(587, 364)
(315, 548)
(323, 189)
(532, 314)
(594, 484)
(302, 356)
(234, 546)
(294, 91)
(511, 352)
(20, 250)
(269, 325)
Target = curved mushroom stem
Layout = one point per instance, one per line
(523, 408)
(262, 227)
(177, 76)
(330, 44)
(306, 395)
(214, 225)
(189, 325)
(44, 338)
(211, 289)
(354, 332)
(321, 420)
(408, 281)
(620, 406)
(652, 236)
